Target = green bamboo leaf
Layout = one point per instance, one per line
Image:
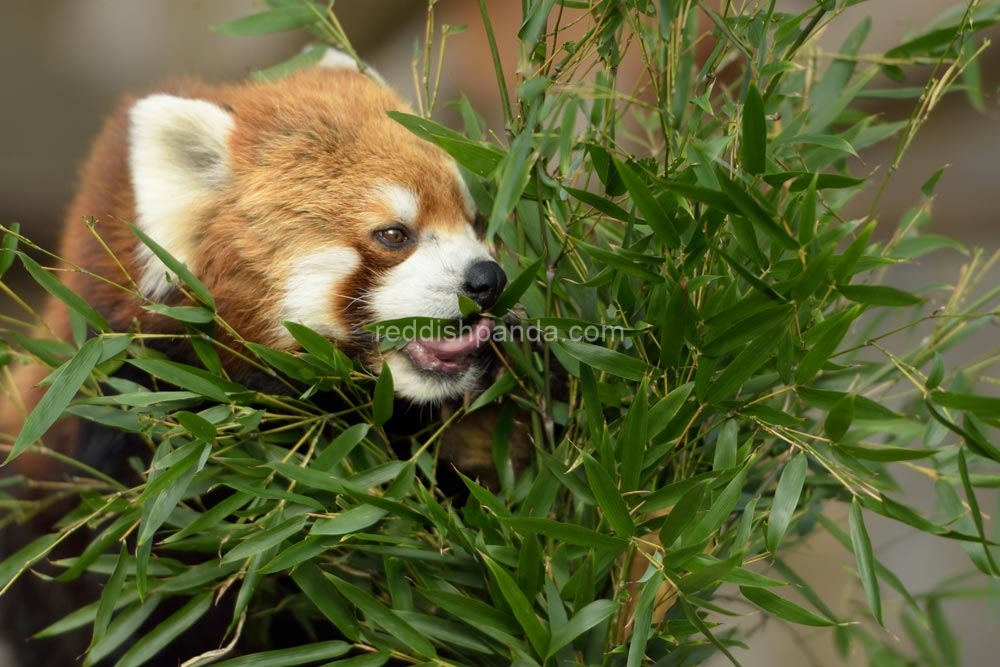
(213, 516)
(565, 532)
(609, 497)
(290, 657)
(878, 295)
(476, 613)
(8, 247)
(166, 488)
(84, 616)
(21, 560)
(630, 266)
(265, 539)
(839, 419)
(735, 335)
(522, 608)
(269, 21)
(885, 453)
(804, 180)
(712, 198)
(309, 477)
(753, 133)
(502, 386)
(987, 407)
(663, 412)
(603, 359)
(646, 202)
(349, 521)
(746, 204)
(722, 505)
(642, 619)
(590, 616)
(109, 598)
(197, 426)
(364, 660)
(707, 574)
(385, 618)
(320, 346)
(65, 382)
(601, 204)
(481, 159)
(682, 514)
(985, 562)
(382, 397)
(513, 174)
(782, 608)
(844, 265)
(633, 440)
(786, 499)
(73, 301)
(834, 142)
(178, 268)
(743, 367)
(124, 628)
(726, 446)
(302, 60)
(833, 333)
(149, 645)
(865, 559)
(325, 596)
(192, 314)
(300, 552)
(341, 447)
(517, 286)
(190, 378)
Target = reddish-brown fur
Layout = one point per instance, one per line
(305, 152)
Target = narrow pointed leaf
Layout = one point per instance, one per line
(865, 559)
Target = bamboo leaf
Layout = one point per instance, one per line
(66, 382)
(590, 616)
(521, 607)
(878, 295)
(786, 499)
(753, 133)
(383, 617)
(270, 21)
(603, 359)
(652, 212)
(865, 559)
(290, 657)
(382, 397)
(782, 608)
(609, 497)
(150, 644)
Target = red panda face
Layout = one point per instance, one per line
(301, 200)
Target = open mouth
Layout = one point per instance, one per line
(454, 354)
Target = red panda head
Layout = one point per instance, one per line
(301, 200)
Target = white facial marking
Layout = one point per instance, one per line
(178, 158)
(309, 292)
(428, 282)
(402, 202)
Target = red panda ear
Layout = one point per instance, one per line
(178, 159)
(337, 59)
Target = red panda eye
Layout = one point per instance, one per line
(393, 237)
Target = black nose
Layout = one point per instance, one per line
(484, 280)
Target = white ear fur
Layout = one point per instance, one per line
(337, 59)
(178, 158)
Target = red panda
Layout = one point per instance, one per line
(296, 199)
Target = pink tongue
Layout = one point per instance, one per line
(447, 349)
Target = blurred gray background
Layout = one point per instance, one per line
(63, 63)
